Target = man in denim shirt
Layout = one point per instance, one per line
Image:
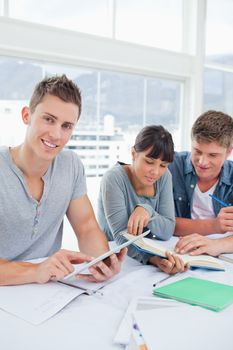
(199, 175)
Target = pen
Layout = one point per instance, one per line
(218, 200)
(164, 279)
(141, 345)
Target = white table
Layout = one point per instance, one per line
(90, 322)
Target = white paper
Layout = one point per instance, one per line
(186, 327)
(227, 257)
(143, 303)
(35, 303)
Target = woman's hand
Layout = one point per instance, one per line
(138, 220)
(173, 264)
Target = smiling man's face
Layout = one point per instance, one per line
(208, 159)
(50, 126)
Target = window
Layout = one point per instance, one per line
(115, 107)
(152, 22)
(219, 32)
(155, 23)
(89, 16)
(163, 106)
(218, 77)
(218, 90)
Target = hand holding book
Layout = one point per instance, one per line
(172, 264)
(159, 248)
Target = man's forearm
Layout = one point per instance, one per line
(12, 273)
(188, 226)
(92, 240)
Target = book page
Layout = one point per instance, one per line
(160, 247)
(227, 257)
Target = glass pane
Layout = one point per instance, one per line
(155, 23)
(121, 112)
(17, 80)
(163, 106)
(115, 107)
(219, 31)
(89, 16)
(218, 91)
(1, 7)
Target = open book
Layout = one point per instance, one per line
(227, 257)
(159, 248)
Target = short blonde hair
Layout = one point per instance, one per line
(213, 126)
(59, 86)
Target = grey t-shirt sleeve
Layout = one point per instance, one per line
(163, 224)
(79, 178)
(116, 211)
(114, 202)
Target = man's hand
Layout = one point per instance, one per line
(58, 265)
(138, 220)
(196, 244)
(104, 270)
(173, 264)
(224, 220)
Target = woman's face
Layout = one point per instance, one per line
(147, 170)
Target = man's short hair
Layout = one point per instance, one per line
(213, 126)
(59, 86)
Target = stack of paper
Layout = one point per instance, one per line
(138, 304)
(186, 328)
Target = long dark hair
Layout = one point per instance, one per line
(158, 140)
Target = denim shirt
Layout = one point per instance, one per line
(185, 179)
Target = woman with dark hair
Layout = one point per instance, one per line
(132, 194)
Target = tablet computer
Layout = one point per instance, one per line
(82, 267)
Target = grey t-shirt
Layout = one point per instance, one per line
(30, 229)
(118, 199)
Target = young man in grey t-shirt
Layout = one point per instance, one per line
(40, 184)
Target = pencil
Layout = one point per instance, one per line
(218, 200)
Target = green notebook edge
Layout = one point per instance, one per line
(215, 296)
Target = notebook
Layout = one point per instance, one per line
(159, 248)
(196, 291)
